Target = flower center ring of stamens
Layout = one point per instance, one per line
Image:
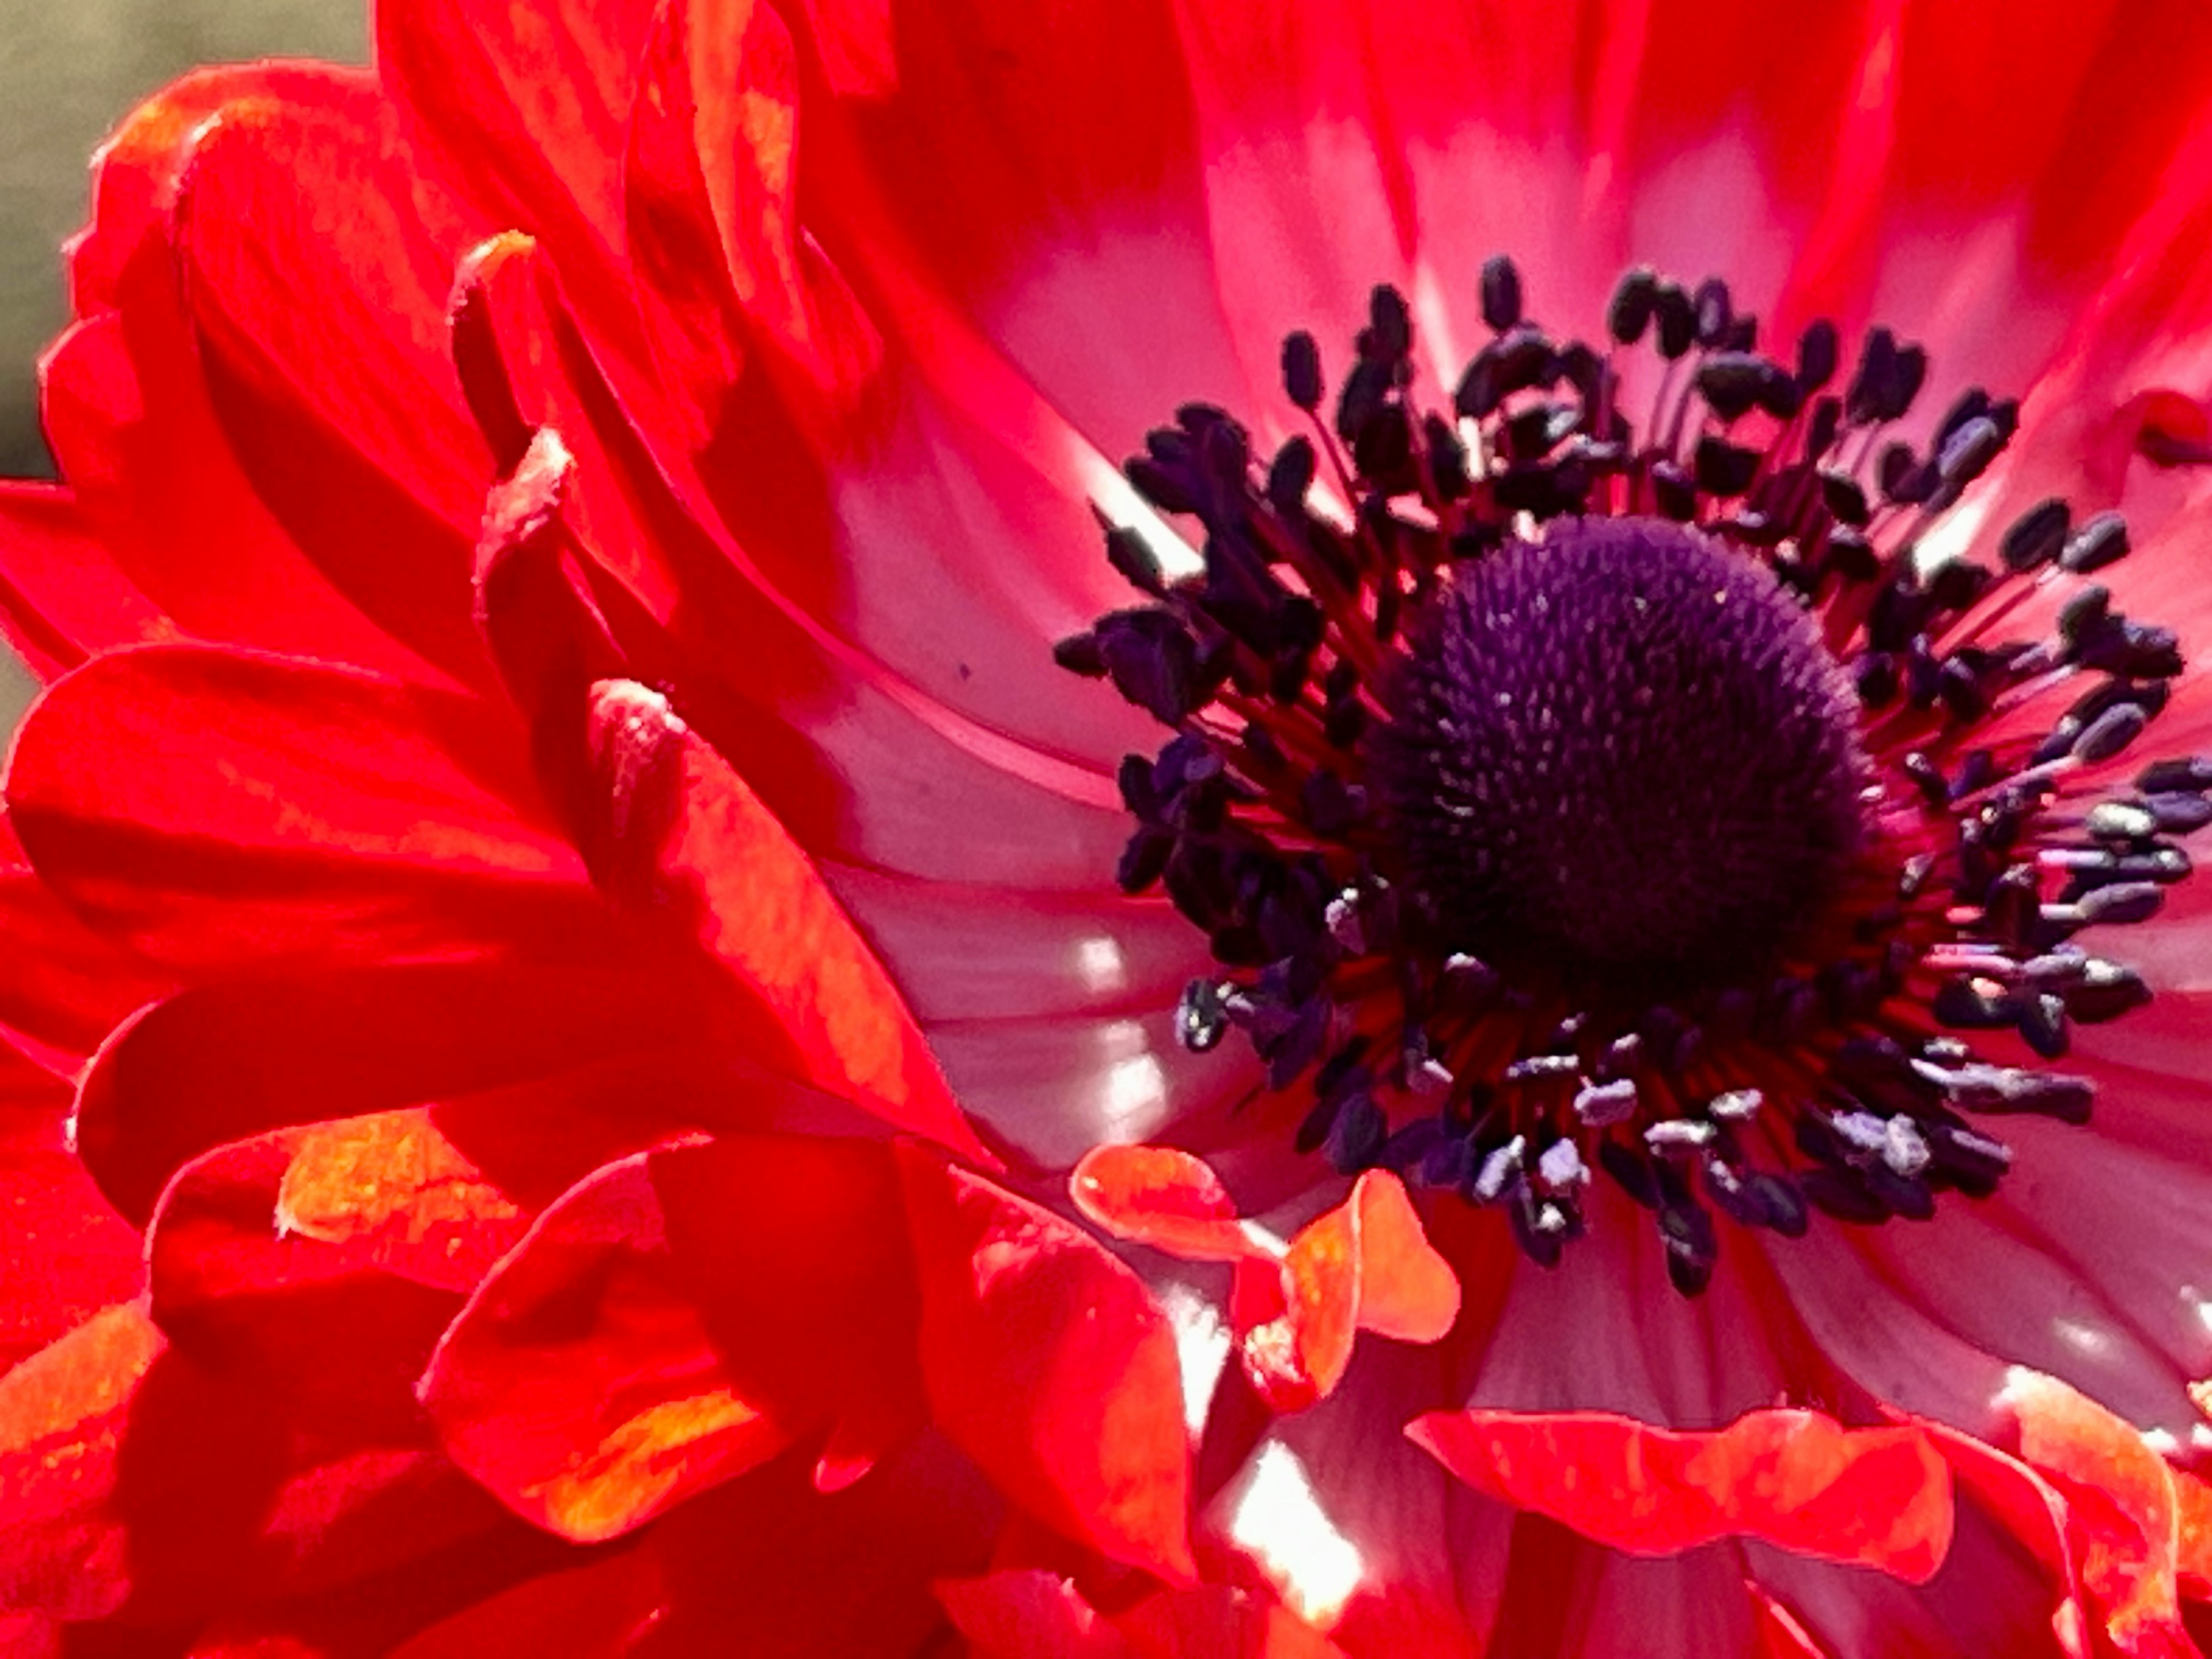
(1558, 798)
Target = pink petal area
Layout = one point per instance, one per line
(1035, 175)
(681, 827)
(1046, 1360)
(1055, 1087)
(257, 808)
(677, 1319)
(1881, 1497)
(975, 952)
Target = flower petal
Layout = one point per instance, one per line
(62, 1550)
(1880, 1498)
(678, 1318)
(1048, 1364)
(324, 338)
(61, 598)
(2122, 1514)
(677, 825)
(1158, 1196)
(69, 1254)
(215, 805)
(225, 1062)
(527, 111)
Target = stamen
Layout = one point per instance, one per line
(1599, 798)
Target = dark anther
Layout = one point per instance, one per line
(1301, 370)
(1722, 468)
(1200, 1019)
(2111, 732)
(1355, 1139)
(1888, 378)
(2102, 541)
(2179, 814)
(1447, 458)
(1963, 1006)
(1127, 552)
(1389, 325)
(1674, 490)
(1501, 293)
(1678, 320)
(1079, 654)
(1733, 382)
(2037, 537)
(2043, 1024)
(1714, 311)
(2176, 776)
(1289, 475)
(1820, 431)
(2103, 991)
(1967, 452)
(1844, 1194)
(1634, 299)
(1153, 662)
(1162, 486)
(1817, 351)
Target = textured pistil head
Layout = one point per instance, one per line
(1621, 749)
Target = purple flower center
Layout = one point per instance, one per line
(1621, 748)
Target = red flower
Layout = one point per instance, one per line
(581, 911)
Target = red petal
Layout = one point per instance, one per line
(678, 830)
(734, 299)
(225, 1062)
(1214, 1620)
(801, 714)
(135, 172)
(212, 805)
(1365, 1265)
(1029, 1614)
(62, 986)
(61, 597)
(1050, 1365)
(2192, 1551)
(528, 109)
(68, 1255)
(2121, 1516)
(1162, 1197)
(1407, 1291)
(605, 1608)
(1878, 1497)
(62, 1413)
(677, 1320)
(324, 338)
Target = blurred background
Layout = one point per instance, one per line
(69, 69)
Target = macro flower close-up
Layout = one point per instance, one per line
(933, 827)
